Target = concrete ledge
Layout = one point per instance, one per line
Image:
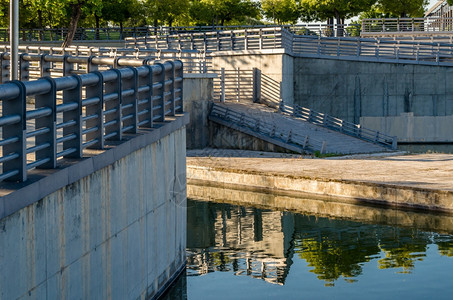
(200, 75)
(249, 52)
(390, 195)
(15, 196)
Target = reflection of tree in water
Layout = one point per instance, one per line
(402, 247)
(445, 244)
(335, 248)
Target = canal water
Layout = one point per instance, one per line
(237, 252)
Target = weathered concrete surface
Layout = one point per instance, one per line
(417, 181)
(274, 63)
(409, 128)
(198, 91)
(322, 207)
(352, 89)
(117, 232)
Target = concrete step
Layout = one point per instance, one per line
(318, 136)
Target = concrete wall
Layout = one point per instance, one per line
(273, 63)
(409, 128)
(352, 89)
(117, 233)
(198, 91)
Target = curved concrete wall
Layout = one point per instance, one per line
(118, 233)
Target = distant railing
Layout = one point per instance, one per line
(430, 24)
(94, 108)
(271, 130)
(375, 49)
(342, 126)
(118, 34)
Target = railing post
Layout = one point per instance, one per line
(172, 76)
(394, 143)
(238, 86)
(162, 91)
(16, 106)
(4, 68)
(129, 102)
(222, 85)
(146, 81)
(74, 95)
(49, 100)
(256, 85)
(24, 68)
(44, 66)
(323, 147)
(246, 45)
(113, 119)
(67, 66)
(178, 86)
(96, 91)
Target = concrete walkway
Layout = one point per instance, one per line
(421, 181)
(336, 142)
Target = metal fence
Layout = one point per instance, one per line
(432, 24)
(247, 123)
(41, 61)
(227, 40)
(94, 108)
(117, 34)
(342, 126)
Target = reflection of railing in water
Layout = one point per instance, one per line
(333, 248)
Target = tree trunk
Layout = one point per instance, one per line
(340, 26)
(41, 28)
(76, 10)
(329, 30)
(97, 37)
(121, 30)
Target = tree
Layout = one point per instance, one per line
(219, 12)
(404, 8)
(339, 10)
(281, 11)
(117, 11)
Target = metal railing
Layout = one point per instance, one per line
(430, 24)
(116, 34)
(375, 49)
(94, 108)
(342, 126)
(56, 61)
(271, 130)
(228, 40)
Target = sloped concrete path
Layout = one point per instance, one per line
(414, 181)
(336, 142)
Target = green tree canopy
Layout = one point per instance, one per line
(281, 11)
(404, 8)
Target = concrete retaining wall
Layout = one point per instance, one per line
(341, 190)
(117, 232)
(350, 89)
(409, 128)
(276, 64)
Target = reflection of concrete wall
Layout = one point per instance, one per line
(413, 129)
(352, 89)
(118, 232)
(274, 63)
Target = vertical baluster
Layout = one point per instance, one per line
(47, 100)
(16, 106)
(96, 90)
(74, 95)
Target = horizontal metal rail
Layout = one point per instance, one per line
(37, 62)
(339, 125)
(75, 112)
(287, 139)
(431, 24)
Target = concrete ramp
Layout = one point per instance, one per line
(286, 131)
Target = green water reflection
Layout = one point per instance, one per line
(265, 244)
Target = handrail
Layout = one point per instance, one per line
(429, 24)
(94, 108)
(339, 125)
(257, 125)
